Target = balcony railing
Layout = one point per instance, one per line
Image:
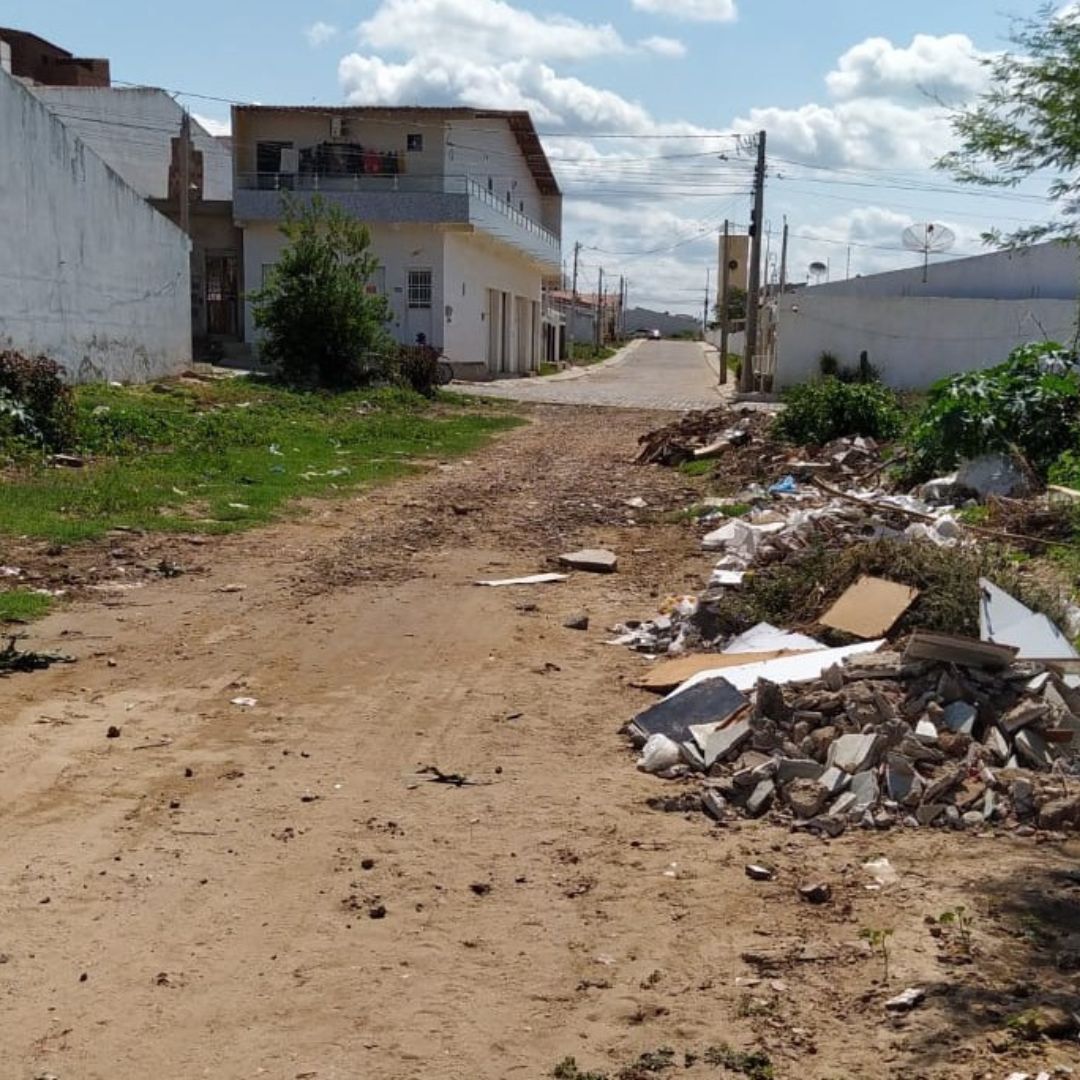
(489, 210)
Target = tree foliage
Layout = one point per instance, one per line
(321, 325)
(1027, 123)
(818, 412)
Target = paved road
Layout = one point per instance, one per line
(649, 374)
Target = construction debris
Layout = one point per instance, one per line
(870, 608)
(13, 659)
(592, 560)
(532, 579)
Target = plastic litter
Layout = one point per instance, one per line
(659, 754)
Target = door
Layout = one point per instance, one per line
(222, 294)
(418, 299)
(494, 326)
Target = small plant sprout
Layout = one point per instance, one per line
(958, 920)
(879, 945)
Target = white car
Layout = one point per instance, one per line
(654, 335)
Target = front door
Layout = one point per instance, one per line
(222, 295)
(418, 300)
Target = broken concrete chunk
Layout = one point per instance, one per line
(843, 805)
(960, 718)
(926, 731)
(902, 782)
(940, 787)
(578, 621)
(867, 791)
(714, 804)
(761, 798)
(854, 753)
(592, 560)
(725, 742)
(1033, 748)
(1023, 715)
(1060, 813)
(906, 1001)
(998, 745)
(1022, 794)
(820, 892)
(834, 780)
(928, 813)
(759, 873)
(788, 769)
(805, 797)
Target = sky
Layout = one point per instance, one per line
(640, 103)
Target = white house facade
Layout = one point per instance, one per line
(464, 212)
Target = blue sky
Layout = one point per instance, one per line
(849, 109)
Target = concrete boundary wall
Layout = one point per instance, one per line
(912, 341)
(91, 274)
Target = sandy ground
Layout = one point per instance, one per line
(200, 896)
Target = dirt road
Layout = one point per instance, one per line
(272, 890)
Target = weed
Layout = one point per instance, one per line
(754, 1064)
(648, 1064)
(879, 945)
(957, 921)
(23, 605)
(567, 1069)
(696, 468)
(818, 412)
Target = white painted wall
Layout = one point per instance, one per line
(487, 150)
(1049, 271)
(91, 274)
(473, 265)
(398, 248)
(132, 130)
(913, 341)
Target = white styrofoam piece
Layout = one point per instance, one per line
(732, 578)
(533, 579)
(787, 669)
(767, 638)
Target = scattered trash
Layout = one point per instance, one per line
(881, 870)
(532, 579)
(818, 893)
(906, 1001)
(13, 659)
(578, 621)
(659, 754)
(245, 702)
(436, 776)
(760, 873)
(592, 560)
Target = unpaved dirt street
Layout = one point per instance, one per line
(235, 891)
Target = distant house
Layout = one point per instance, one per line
(26, 56)
(464, 211)
(967, 314)
(92, 274)
(582, 315)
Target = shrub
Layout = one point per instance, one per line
(418, 367)
(818, 412)
(829, 364)
(1029, 403)
(39, 402)
(322, 327)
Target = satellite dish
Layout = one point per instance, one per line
(818, 270)
(928, 239)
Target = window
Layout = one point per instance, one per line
(414, 142)
(419, 288)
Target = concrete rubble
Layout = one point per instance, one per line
(880, 740)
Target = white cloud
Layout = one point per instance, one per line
(212, 126)
(319, 33)
(945, 67)
(695, 10)
(663, 46)
(484, 31)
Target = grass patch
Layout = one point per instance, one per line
(22, 605)
(697, 468)
(583, 354)
(548, 369)
(221, 456)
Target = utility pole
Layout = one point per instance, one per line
(622, 307)
(705, 310)
(746, 375)
(847, 273)
(725, 284)
(573, 300)
(783, 259)
(185, 173)
(599, 329)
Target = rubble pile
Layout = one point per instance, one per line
(882, 739)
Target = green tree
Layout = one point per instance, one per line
(1027, 124)
(736, 305)
(321, 325)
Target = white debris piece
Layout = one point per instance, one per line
(533, 579)
(659, 754)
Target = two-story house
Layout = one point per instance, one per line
(464, 211)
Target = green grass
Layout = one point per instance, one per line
(697, 468)
(22, 605)
(548, 369)
(223, 456)
(583, 354)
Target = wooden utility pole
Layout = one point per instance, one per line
(722, 303)
(622, 307)
(573, 299)
(757, 224)
(599, 309)
(705, 309)
(185, 173)
(783, 259)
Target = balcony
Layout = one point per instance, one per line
(400, 198)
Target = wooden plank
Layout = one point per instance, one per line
(870, 608)
(671, 673)
(952, 649)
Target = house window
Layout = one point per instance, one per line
(414, 142)
(491, 184)
(419, 288)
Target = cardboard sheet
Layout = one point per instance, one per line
(870, 608)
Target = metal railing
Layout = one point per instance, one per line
(389, 183)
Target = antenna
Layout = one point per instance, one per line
(928, 238)
(817, 271)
